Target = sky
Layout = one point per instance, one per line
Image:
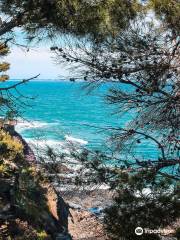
(38, 60)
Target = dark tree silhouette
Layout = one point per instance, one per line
(142, 61)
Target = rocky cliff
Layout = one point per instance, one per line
(30, 208)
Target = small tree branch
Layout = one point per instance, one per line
(19, 83)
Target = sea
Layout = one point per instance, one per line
(56, 111)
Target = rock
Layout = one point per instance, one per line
(52, 200)
(84, 225)
(75, 206)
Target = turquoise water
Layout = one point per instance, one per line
(64, 110)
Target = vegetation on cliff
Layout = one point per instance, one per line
(28, 202)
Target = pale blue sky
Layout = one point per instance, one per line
(39, 60)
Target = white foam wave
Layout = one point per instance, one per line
(23, 125)
(44, 143)
(74, 140)
(59, 147)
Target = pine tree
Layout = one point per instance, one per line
(143, 62)
(4, 66)
(42, 18)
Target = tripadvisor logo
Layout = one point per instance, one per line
(139, 231)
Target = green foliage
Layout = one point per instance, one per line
(10, 148)
(95, 18)
(168, 11)
(42, 235)
(27, 193)
(142, 59)
(143, 202)
(4, 50)
(6, 103)
(3, 169)
(24, 189)
(92, 18)
(143, 198)
(4, 67)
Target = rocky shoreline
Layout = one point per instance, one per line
(85, 206)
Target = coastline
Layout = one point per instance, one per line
(85, 206)
(91, 198)
(94, 196)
